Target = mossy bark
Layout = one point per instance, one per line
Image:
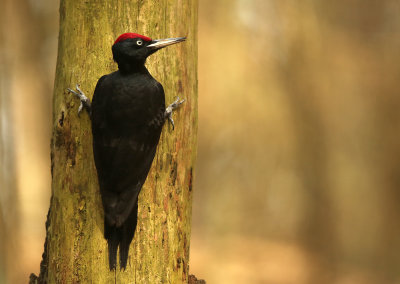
(75, 250)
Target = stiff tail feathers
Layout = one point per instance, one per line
(113, 236)
(120, 237)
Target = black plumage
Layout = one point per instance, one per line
(127, 114)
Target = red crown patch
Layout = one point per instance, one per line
(131, 35)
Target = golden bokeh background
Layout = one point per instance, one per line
(298, 173)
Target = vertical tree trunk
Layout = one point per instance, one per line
(75, 250)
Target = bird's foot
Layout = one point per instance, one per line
(85, 102)
(171, 108)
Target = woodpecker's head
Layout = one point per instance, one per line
(131, 50)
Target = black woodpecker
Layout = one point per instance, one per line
(127, 114)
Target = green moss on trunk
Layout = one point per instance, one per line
(75, 250)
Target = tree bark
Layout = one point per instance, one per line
(75, 250)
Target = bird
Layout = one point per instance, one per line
(127, 115)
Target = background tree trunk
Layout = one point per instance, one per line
(26, 82)
(75, 250)
(9, 218)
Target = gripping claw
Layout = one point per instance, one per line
(85, 102)
(171, 108)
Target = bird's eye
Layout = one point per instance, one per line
(139, 42)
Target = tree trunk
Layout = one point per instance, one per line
(75, 250)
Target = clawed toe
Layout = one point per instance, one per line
(85, 102)
(171, 108)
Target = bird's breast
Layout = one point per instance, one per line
(133, 105)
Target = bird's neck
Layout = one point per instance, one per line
(125, 68)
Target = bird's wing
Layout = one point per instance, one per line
(125, 139)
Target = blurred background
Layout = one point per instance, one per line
(297, 179)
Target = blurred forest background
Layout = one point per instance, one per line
(297, 179)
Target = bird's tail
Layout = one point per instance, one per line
(120, 237)
(113, 236)
(128, 231)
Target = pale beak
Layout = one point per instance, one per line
(160, 43)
